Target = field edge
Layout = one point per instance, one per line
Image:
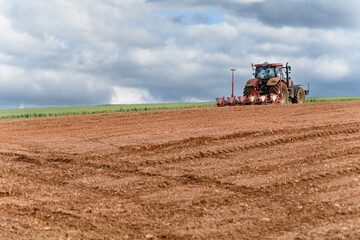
(80, 110)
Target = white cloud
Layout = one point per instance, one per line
(5, 57)
(9, 73)
(14, 41)
(215, 32)
(195, 99)
(131, 96)
(145, 57)
(63, 52)
(326, 68)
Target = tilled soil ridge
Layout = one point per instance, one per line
(254, 172)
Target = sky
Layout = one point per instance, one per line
(71, 53)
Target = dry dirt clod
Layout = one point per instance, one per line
(149, 236)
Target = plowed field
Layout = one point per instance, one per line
(262, 172)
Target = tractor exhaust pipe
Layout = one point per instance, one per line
(287, 75)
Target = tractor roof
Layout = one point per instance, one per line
(266, 64)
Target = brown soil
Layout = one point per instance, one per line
(261, 172)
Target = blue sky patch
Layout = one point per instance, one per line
(191, 18)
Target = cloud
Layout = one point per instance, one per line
(299, 13)
(326, 69)
(50, 88)
(302, 13)
(131, 96)
(62, 52)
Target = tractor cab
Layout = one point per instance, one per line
(265, 73)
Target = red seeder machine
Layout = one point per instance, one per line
(271, 85)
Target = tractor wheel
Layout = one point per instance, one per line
(299, 96)
(247, 91)
(284, 90)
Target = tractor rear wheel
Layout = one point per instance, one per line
(247, 91)
(284, 90)
(299, 96)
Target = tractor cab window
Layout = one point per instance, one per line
(265, 72)
(283, 74)
(278, 72)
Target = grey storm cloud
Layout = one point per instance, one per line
(302, 13)
(61, 53)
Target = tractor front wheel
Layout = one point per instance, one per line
(299, 96)
(284, 90)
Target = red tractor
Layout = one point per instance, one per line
(271, 85)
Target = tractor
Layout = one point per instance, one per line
(271, 85)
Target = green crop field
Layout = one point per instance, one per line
(332, 99)
(60, 111)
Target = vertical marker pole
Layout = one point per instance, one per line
(232, 93)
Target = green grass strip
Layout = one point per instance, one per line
(61, 111)
(332, 99)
